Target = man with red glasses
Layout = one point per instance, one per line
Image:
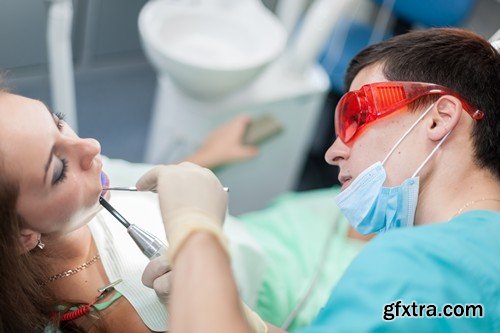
(367, 204)
(418, 147)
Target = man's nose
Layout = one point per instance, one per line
(337, 151)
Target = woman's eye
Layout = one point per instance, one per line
(60, 172)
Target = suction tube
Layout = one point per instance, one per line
(289, 11)
(316, 28)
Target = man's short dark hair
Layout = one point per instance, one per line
(455, 58)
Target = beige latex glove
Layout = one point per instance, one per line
(191, 200)
(157, 276)
(256, 323)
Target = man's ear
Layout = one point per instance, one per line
(28, 239)
(444, 116)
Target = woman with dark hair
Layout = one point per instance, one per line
(52, 265)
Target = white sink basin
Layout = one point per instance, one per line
(210, 51)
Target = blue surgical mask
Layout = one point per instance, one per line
(371, 207)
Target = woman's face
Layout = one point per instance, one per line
(58, 172)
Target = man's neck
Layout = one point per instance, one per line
(445, 196)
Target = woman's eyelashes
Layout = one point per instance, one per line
(61, 164)
(60, 119)
(60, 171)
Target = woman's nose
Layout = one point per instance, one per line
(337, 151)
(88, 149)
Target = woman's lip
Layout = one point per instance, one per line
(104, 182)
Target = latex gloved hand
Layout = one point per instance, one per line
(191, 199)
(157, 276)
(256, 323)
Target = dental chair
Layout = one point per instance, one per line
(352, 36)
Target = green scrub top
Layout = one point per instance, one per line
(292, 232)
(455, 263)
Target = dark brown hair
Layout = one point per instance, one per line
(454, 58)
(24, 304)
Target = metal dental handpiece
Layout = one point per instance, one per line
(150, 245)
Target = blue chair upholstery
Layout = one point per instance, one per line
(433, 13)
(335, 64)
(349, 37)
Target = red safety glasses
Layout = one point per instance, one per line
(358, 108)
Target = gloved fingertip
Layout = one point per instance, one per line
(147, 281)
(148, 180)
(189, 164)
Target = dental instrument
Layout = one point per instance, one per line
(134, 189)
(149, 245)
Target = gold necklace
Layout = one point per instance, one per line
(75, 270)
(473, 202)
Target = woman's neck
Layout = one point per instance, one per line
(63, 250)
(69, 252)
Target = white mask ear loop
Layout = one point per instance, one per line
(430, 155)
(408, 132)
